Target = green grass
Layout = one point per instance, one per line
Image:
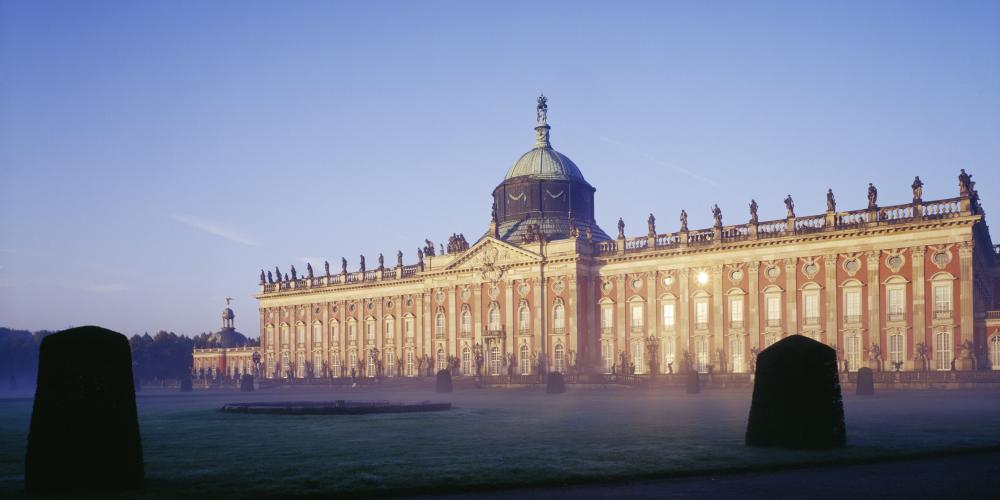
(494, 438)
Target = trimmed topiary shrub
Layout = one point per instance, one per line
(84, 434)
(443, 383)
(692, 383)
(796, 397)
(246, 383)
(186, 384)
(866, 382)
(556, 384)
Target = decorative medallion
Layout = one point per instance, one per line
(810, 267)
(493, 292)
(352, 307)
(371, 305)
(333, 308)
(668, 280)
(558, 286)
(736, 274)
(606, 286)
(636, 284)
(466, 294)
(941, 255)
(409, 301)
(895, 260)
(523, 289)
(270, 315)
(439, 296)
(317, 310)
(388, 304)
(771, 271)
(852, 265)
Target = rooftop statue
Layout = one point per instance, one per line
(309, 270)
(918, 189)
(831, 202)
(684, 220)
(295, 275)
(589, 234)
(362, 263)
(651, 224)
(621, 228)
(429, 248)
(399, 258)
(261, 276)
(872, 197)
(343, 265)
(789, 207)
(420, 259)
(717, 215)
(270, 278)
(964, 183)
(542, 110)
(277, 273)
(753, 211)
(381, 261)
(326, 267)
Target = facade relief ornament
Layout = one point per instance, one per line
(636, 283)
(810, 267)
(965, 249)
(493, 292)
(558, 285)
(736, 273)
(941, 255)
(439, 296)
(771, 270)
(466, 293)
(668, 279)
(852, 263)
(894, 259)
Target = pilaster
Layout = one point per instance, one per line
(451, 328)
(621, 311)
(874, 308)
(965, 250)
(753, 296)
(830, 313)
(718, 325)
(683, 323)
(791, 297)
(917, 288)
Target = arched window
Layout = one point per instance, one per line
(853, 351)
(897, 347)
(408, 327)
(466, 321)
(558, 317)
(352, 331)
(335, 362)
(560, 355)
(318, 332)
(639, 356)
(608, 355)
(494, 360)
(442, 360)
(669, 356)
(701, 353)
(942, 350)
(852, 303)
(390, 363)
(270, 365)
(284, 334)
(439, 325)
(300, 362)
(494, 318)
(607, 318)
(524, 319)
(995, 352)
(410, 364)
(390, 328)
(525, 360)
(270, 336)
(372, 370)
(943, 295)
(300, 333)
(736, 354)
(466, 361)
(370, 331)
(318, 365)
(352, 361)
(334, 333)
(637, 317)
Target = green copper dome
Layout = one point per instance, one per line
(545, 163)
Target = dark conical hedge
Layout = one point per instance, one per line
(556, 384)
(796, 397)
(692, 383)
(84, 434)
(443, 381)
(186, 384)
(866, 382)
(246, 383)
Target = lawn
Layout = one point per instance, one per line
(494, 438)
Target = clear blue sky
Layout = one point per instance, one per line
(154, 156)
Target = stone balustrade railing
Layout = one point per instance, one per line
(830, 221)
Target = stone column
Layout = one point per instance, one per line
(452, 327)
(874, 310)
(538, 312)
(718, 325)
(621, 311)
(651, 330)
(791, 297)
(510, 326)
(966, 298)
(572, 334)
(421, 324)
(477, 314)
(918, 287)
(830, 270)
(683, 324)
(753, 296)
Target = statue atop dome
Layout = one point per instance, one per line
(542, 110)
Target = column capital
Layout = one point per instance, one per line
(965, 249)
(830, 259)
(917, 252)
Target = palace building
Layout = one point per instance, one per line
(909, 286)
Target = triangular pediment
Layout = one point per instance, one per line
(490, 251)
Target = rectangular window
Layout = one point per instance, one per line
(701, 353)
(736, 313)
(408, 325)
(895, 298)
(895, 349)
(668, 352)
(608, 355)
(810, 303)
(853, 352)
(606, 319)
(852, 306)
(701, 314)
(668, 316)
(942, 301)
(736, 353)
(773, 310)
(637, 322)
(942, 350)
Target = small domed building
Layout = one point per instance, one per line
(229, 353)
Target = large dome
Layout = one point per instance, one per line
(545, 163)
